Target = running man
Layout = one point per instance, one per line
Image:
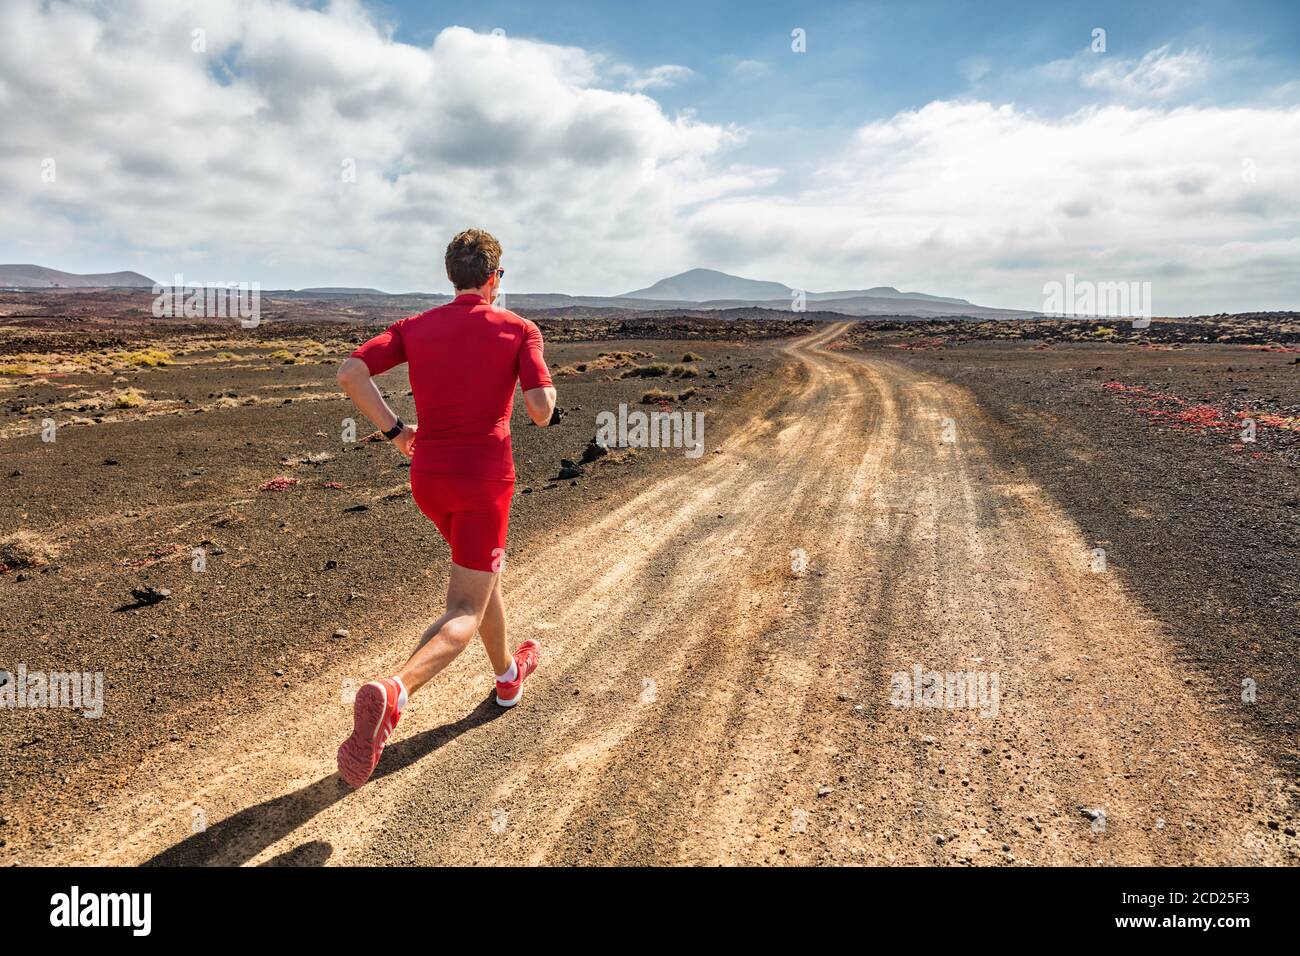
(463, 359)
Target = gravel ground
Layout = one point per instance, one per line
(123, 497)
(701, 699)
(1202, 526)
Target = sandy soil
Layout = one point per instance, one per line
(705, 698)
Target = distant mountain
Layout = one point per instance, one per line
(713, 287)
(868, 302)
(340, 290)
(884, 292)
(38, 277)
(916, 304)
(698, 289)
(703, 285)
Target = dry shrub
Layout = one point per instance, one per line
(25, 549)
(605, 361)
(660, 369)
(150, 358)
(618, 359)
(656, 395)
(654, 370)
(313, 458)
(128, 398)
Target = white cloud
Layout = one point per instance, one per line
(1158, 75)
(750, 69)
(975, 69)
(670, 74)
(227, 165)
(990, 202)
(232, 158)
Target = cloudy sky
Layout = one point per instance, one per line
(977, 150)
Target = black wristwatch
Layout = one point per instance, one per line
(395, 430)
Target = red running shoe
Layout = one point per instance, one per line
(374, 715)
(527, 657)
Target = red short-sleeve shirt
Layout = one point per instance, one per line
(463, 360)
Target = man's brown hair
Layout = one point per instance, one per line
(471, 258)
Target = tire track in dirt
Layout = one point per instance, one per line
(700, 702)
(1094, 714)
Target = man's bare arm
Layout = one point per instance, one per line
(541, 405)
(355, 379)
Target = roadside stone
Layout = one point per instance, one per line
(592, 452)
(150, 594)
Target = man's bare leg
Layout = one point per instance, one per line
(492, 630)
(378, 704)
(468, 592)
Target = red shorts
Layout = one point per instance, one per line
(471, 513)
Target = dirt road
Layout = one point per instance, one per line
(702, 702)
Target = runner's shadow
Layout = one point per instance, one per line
(313, 853)
(240, 837)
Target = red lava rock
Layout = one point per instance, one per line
(279, 483)
(932, 342)
(1178, 414)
